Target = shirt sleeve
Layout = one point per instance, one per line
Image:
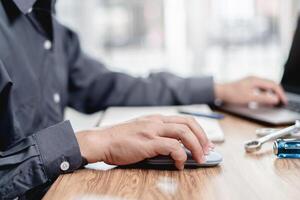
(93, 87)
(37, 160)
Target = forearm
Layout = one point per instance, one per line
(92, 86)
(117, 89)
(38, 160)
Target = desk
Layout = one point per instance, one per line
(240, 176)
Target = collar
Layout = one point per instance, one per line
(41, 17)
(24, 5)
(14, 8)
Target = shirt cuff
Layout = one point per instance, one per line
(201, 90)
(59, 149)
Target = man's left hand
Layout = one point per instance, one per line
(251, 89)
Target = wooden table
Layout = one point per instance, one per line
(240, 176)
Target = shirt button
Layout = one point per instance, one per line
(65, 165)
(29, 10)
(56, 98)
(47, 45)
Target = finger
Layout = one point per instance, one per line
(189, 140)
(283, 97)
(264, 98)
(270, 85)
(195, 128)
(172, 147)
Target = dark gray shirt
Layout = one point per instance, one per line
(43, 70)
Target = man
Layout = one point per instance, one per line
(43, 70)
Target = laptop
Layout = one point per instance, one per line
(291, 84)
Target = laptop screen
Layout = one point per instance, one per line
(291, 76)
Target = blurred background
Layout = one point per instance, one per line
(228, 39)
(224, 38)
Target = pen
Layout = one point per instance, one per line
(212, 115)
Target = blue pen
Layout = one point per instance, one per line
(212, 115)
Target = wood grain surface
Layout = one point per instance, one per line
(240, 176)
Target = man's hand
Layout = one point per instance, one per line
(251, 89)
(145, 137)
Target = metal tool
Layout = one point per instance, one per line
(261, 132)
(287, 148)
(255, 145)
(267, 131)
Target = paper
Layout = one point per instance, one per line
(212, 128)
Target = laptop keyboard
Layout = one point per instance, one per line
(293, 106)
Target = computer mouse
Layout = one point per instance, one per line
(212, 159)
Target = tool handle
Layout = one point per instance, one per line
(278, 134)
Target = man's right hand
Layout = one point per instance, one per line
(143, 138)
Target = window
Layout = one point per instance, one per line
(224, 38)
